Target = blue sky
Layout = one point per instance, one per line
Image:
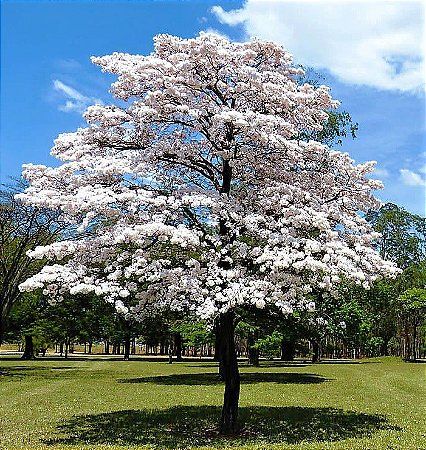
(370, 53)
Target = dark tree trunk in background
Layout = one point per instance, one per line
(127, 347)
(316, 351)
(29, 348)
(162, 347)
(288, 349)
(253, 352)
(228, 357)
(67, 344)
(414, 351)
(178, 346)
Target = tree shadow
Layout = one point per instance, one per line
(195, 426)
(192, 379)
(19, 372)
(261, 364)
(344, 361)
(283, 364)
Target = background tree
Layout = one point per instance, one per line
(22, 227)
(402, 234)
(412, 318)
(200, 193)
(402, 240)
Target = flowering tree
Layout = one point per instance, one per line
(199, 193)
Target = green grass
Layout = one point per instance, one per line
(99, 403)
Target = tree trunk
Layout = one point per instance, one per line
(127, 347)
(178, 346)
(228, 420)
(29, 348)
(162, 347)
(288, 349)
(415, 341)
(218, 351)
(316, 349)
(253, 352)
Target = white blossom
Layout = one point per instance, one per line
(198, 194)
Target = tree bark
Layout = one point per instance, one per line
(317, 352)
(288, 350)
(162, 347)
(29, 348)
(229, 417)
(178, 346)
(127, 347)
(253, 352)
(415, 340)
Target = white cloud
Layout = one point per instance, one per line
(374, 43)
(76, 101)
(381, 173)
(411, 178)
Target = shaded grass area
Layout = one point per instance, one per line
(94, 403)
(213, 378)
(186, 426)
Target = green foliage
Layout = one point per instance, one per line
(339, 125)
(245, 329)
(374, 345)
(403, 238)
(270, 346)
(194, 333)
(413, 301)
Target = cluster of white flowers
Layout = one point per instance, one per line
(200, 195)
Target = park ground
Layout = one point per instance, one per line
(105, 403)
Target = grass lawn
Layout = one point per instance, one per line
(100, 403)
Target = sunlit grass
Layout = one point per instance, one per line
(99, 403)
